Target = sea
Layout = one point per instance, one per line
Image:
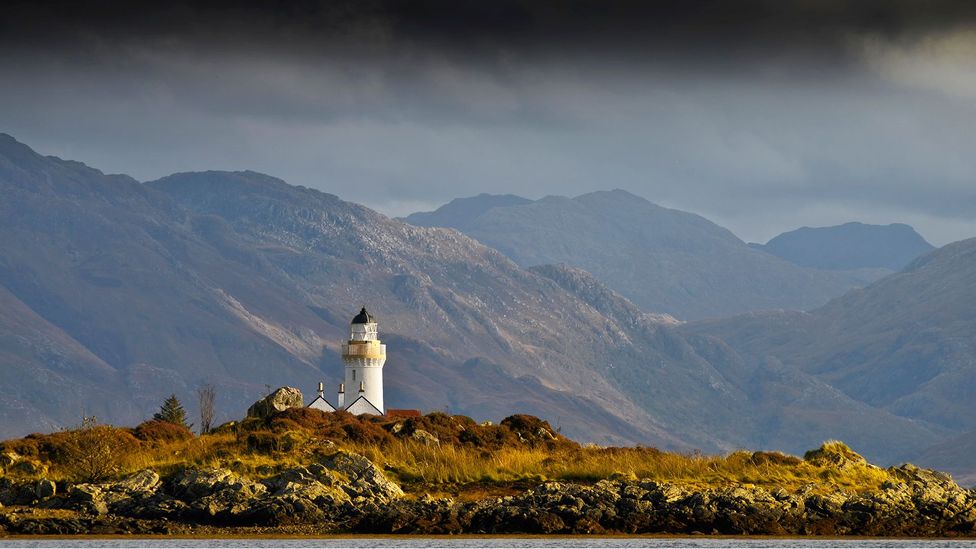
(495, 542)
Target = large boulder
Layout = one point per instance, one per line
(87, 498)
(45, 488)
(141, 495)
(301, 495)
(9, 458)
(143, 482)
(17, 492)
(315, 483)
(278, 401)
(217, 493)
(366, 482)
(26, 468)
(120, 497)
(424, 437)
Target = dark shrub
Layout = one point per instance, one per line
(489, 437)
(304, 419)
(156, 430)
(29, 446)
(534, 431)
(93, 453)
(448, 429)
(774, 458)
(336, 426)
(262, 442)
(365, 432)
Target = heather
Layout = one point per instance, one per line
(437, 453)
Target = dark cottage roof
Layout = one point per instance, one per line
(363, 317)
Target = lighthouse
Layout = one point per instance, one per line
(364, 356)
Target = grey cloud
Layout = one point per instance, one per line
(762, 117)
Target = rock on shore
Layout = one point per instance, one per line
(346, 492)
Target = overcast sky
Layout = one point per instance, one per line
(762, 116)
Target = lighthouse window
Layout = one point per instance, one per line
(354, 375)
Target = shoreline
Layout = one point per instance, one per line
(285, 536)
(339, 494)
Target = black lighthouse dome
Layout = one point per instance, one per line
(363, 317)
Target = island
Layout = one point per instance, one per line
(304, 471)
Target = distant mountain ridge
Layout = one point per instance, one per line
(117, 293)
(850, 246)
(905, 344)
(460, 211)
(664, 260)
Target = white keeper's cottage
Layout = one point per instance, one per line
(364, 356)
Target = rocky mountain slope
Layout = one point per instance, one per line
(955, 456)
(574, 335)
(459, 212)
(850, 246)
(118, 293)
(664, 260)
(904, 344)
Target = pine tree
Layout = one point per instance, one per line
(172, 411)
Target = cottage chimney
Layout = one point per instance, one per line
(342, 395)
(362, 387)
(321, 390)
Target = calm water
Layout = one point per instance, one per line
(449, 543)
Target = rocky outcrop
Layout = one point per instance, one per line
(346, 492)
(278, 401)
(128, 497)
(924, 504)
(424, 437)
(365, 480)
(340, 487)
(302, 495)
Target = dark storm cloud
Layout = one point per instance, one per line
(759, 114)
(707, 31)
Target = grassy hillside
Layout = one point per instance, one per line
(436, 453)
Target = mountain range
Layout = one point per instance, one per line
(120, 292)
(904, 344)
(116, 293)
(850, 246)
(664, 260)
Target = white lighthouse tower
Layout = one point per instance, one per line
(364, 356)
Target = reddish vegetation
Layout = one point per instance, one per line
(55, 447)
(402, 412)
(36, 446)
(518, 430)
(155, 430)
(328, 425)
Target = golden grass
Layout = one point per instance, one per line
(255, 450)
(438, 464)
